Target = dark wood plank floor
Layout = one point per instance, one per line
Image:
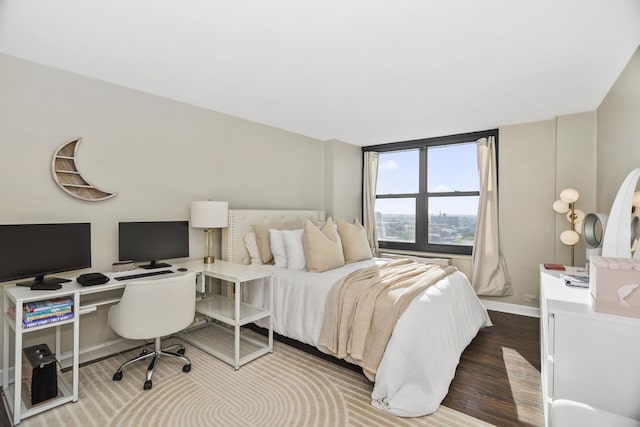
(497, 380)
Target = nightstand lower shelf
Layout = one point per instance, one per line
(218, 340)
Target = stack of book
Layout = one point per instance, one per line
(42, 312)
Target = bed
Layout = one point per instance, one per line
(420, 358)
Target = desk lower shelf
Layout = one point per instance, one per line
(218, 340)
(65, 394)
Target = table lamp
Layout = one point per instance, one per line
(209, 215)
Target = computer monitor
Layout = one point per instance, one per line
(35, 250)
(153, 241)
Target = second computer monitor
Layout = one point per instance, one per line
(153, 241)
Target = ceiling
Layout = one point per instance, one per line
(360, 71)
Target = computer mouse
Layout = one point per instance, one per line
(182, 269)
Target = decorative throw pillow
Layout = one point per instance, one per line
(262, 237)
(295, 249)
(278, 250)
(322, 247)
(252, 247)
(355, 244)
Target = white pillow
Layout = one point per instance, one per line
(295, 249)
(276, 240)
(252, 247)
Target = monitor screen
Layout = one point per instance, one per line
(153, 241)
(35, 250)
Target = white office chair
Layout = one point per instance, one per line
(151, 309)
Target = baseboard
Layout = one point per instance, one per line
(522, 310)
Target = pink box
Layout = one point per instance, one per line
(615, 285)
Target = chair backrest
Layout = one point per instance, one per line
(155, 307)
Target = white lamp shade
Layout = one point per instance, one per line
(569, 237)
(208, 214)
(569, 195)
(560, 207)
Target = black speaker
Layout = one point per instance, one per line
(40, 370)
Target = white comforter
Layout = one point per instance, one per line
(421, 357)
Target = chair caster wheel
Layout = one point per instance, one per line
(181, 352)
(148, 385)
(117, 376)
(186, 368)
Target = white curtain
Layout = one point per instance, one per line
(489, 272)
(369, 198)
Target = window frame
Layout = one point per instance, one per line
(422, 197)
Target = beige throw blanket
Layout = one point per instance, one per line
(362, 309)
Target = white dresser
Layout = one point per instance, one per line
(586, 356)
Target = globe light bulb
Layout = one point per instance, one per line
(578, 216)
(569, 195)
(560, 207)
(569, 237)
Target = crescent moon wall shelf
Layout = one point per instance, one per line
(66, 174)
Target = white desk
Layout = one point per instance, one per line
(89, 298)
(586, 356)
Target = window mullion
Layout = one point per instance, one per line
(422, 208)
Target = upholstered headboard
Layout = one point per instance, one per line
(241, 221)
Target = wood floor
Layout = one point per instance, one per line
(497, 380)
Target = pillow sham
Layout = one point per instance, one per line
(355, 244)
(322, 247)
(252, 247)
(276, 240)
(263, 239)
(295, 249)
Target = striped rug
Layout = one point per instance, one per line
(286, 388)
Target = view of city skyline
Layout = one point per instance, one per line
(452, 219)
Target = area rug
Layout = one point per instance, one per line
(286, 388)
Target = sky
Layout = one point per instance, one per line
(450, 168)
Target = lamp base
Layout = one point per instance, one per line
(209, 260)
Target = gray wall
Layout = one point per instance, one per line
(618, 134)
(159, 155)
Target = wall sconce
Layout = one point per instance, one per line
(566, 206)
(209, 215)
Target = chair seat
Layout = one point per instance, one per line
(151, 309)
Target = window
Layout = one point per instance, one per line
(427, 193)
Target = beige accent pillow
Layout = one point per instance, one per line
(262, 237)
(322, 247)
(355, 244)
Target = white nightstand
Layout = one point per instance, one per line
(233, 312)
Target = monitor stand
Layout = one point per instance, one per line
(154, 264)
(48, 283)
